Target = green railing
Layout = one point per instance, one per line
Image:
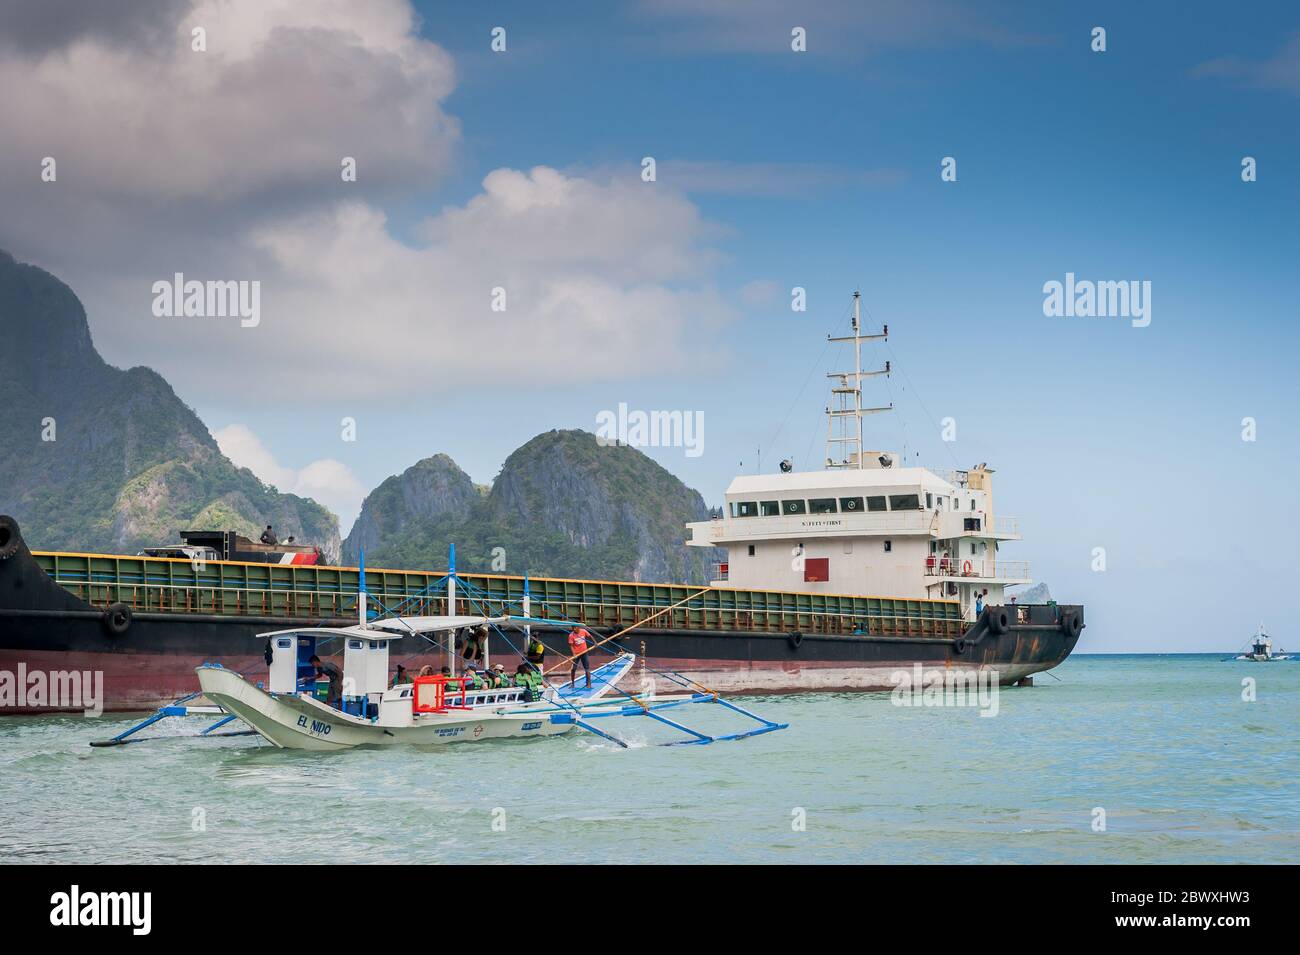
(163, 585)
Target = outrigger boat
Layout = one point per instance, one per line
(289, 711)
(1261, 649)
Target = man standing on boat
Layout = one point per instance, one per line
(331, 672)
(535, 653)
(578, 648)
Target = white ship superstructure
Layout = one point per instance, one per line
(865, 525)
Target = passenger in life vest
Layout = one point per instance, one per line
(530, 679)
(578, 648)
(535, 653)
(500, 679)
(472, 680)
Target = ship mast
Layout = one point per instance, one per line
(845, 412)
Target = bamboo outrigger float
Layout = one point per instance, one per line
(289, 712)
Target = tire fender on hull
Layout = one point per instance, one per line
(999, 620)
(117, 619)
(10, 537)
(1071, 624)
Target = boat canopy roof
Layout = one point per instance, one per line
(400, 626)
(390, 628)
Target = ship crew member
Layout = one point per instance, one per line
(535, 653)
(979, 603)
(268, 536)
(331, 672)
(578, 649)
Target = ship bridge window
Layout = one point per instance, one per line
(904, 502)
(769, 508)
(356, 645)
(744, 509)
(850, 504)
(929, 500)
(284, 643)
(875, 503)
(821, 505)
(794, 507)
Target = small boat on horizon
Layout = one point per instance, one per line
(1261, 649)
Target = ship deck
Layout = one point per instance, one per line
(239, 589)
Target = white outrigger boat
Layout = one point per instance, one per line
(289, 712)
(1261, 649)
(431, 709)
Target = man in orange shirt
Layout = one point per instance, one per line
(578, 648)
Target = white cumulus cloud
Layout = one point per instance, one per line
(327, 481)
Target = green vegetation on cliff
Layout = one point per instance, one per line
(563, 505)
(129, 464)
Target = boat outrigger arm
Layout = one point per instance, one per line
(178, 707)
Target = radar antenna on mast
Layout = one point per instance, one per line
(844, 414)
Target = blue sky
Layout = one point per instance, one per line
(1124, 164)
(821, 170)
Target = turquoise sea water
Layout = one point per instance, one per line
(1185, 770)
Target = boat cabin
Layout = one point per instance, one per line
(364, 690)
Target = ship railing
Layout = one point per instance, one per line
(1006, 525)
(901, 617)
(976, 567)
(954, 476)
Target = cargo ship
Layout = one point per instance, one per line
(787, 611)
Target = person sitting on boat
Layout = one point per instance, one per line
(501, 679)
(578, 648)
(530, 679)
(268, 537)
(535, 653)
(472, 680)
(331, 672)
(401, 676)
